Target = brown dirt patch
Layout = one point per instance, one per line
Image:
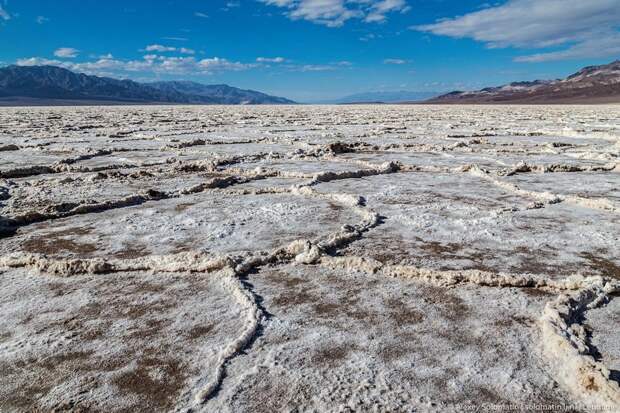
(394, 351)
(131, 252)
(449, 305)
(602, 265)
(285, 279)
(331, 355)
(60, 241)
(155, 382)
(402, 314)
(200, 331)
(65, 360)
(293, 298)
(327, 310)
(435, 248)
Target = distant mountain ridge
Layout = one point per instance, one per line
(592, 84)
(385, 97)
(218, 93)
(51, 83)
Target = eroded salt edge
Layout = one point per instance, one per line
(564, 341)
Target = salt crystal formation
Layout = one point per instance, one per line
(362, 258)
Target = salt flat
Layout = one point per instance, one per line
(309, 258)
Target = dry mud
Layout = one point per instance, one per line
(309, 259)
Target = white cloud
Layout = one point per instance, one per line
(584, 25)
(159, 48)
(270, 59)
(370, 36)
(381, 8)
(4, 15)
(162, 49)
(334, 13)
(66, 52)
(100, 66)
(313, 68)
(395, 61)
(302, 67)
(41, 19)
(598, 47)
(38, 61)
(231, 5)
(215, 63)
(151, 63)
(176, 39)
(200, 14)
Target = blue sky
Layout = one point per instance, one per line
(310, 50)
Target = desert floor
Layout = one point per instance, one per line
(309, 258)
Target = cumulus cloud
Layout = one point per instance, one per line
(395, 61)
(379, 9)
(4, 15)
(597, 47)
(270, 59)
(99, 66)
(41, 19)
(370, 36)
(163, 49)
(582, 25)
(313, 68)
(159, 48)
(66, 52)
(334, 13)
(38, 61)
(156, 64)
(215, 63)
(310, 67)
(150, 63)
(231, 5)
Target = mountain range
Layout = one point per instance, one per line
(385, 97)
(592, 84)
(49, 85)
(56, 85)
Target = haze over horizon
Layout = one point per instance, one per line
(313, 50)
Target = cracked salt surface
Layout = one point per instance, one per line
(363, 258)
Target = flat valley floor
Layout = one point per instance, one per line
(309, 258)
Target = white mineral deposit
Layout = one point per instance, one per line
(309, 258)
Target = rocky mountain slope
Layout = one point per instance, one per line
(592, 84)
(221, 94)
(51, 83)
